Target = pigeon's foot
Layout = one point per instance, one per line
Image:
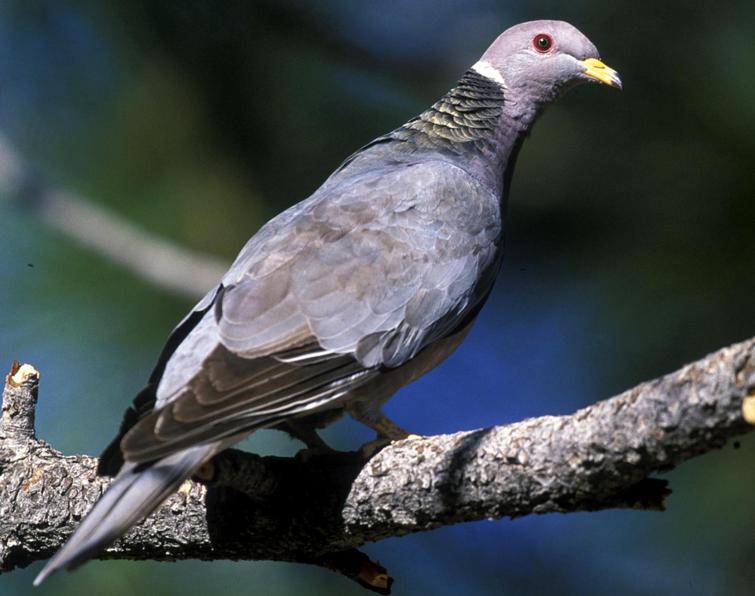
(372, 447)
(370, 415)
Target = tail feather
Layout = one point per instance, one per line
(134, 494)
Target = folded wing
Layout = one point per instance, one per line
(356, 279)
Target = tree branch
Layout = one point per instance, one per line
(165, 265)
(319, 510)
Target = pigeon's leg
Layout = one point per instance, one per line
(380, 423)
(372, 416)
(307, 434)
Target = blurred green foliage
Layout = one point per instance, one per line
(629, 238)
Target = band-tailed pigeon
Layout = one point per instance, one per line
(342, 299)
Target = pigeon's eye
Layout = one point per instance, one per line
(542, 42)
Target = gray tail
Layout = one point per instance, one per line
(134, 494)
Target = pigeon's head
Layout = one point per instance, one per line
(538, 60)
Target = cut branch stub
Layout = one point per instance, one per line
(20, 402)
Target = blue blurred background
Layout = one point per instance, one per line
(629, 247)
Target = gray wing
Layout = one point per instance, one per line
(359, 277)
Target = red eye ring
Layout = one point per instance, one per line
(542, 42)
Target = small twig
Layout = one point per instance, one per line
(178, 270)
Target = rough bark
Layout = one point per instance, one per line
(319, 510)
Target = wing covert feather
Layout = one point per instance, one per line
(368, 255)
(361, 276)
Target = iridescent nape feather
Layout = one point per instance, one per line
(470, 112)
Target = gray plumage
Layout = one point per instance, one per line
(344, 298)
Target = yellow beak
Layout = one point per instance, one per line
(606, 75)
